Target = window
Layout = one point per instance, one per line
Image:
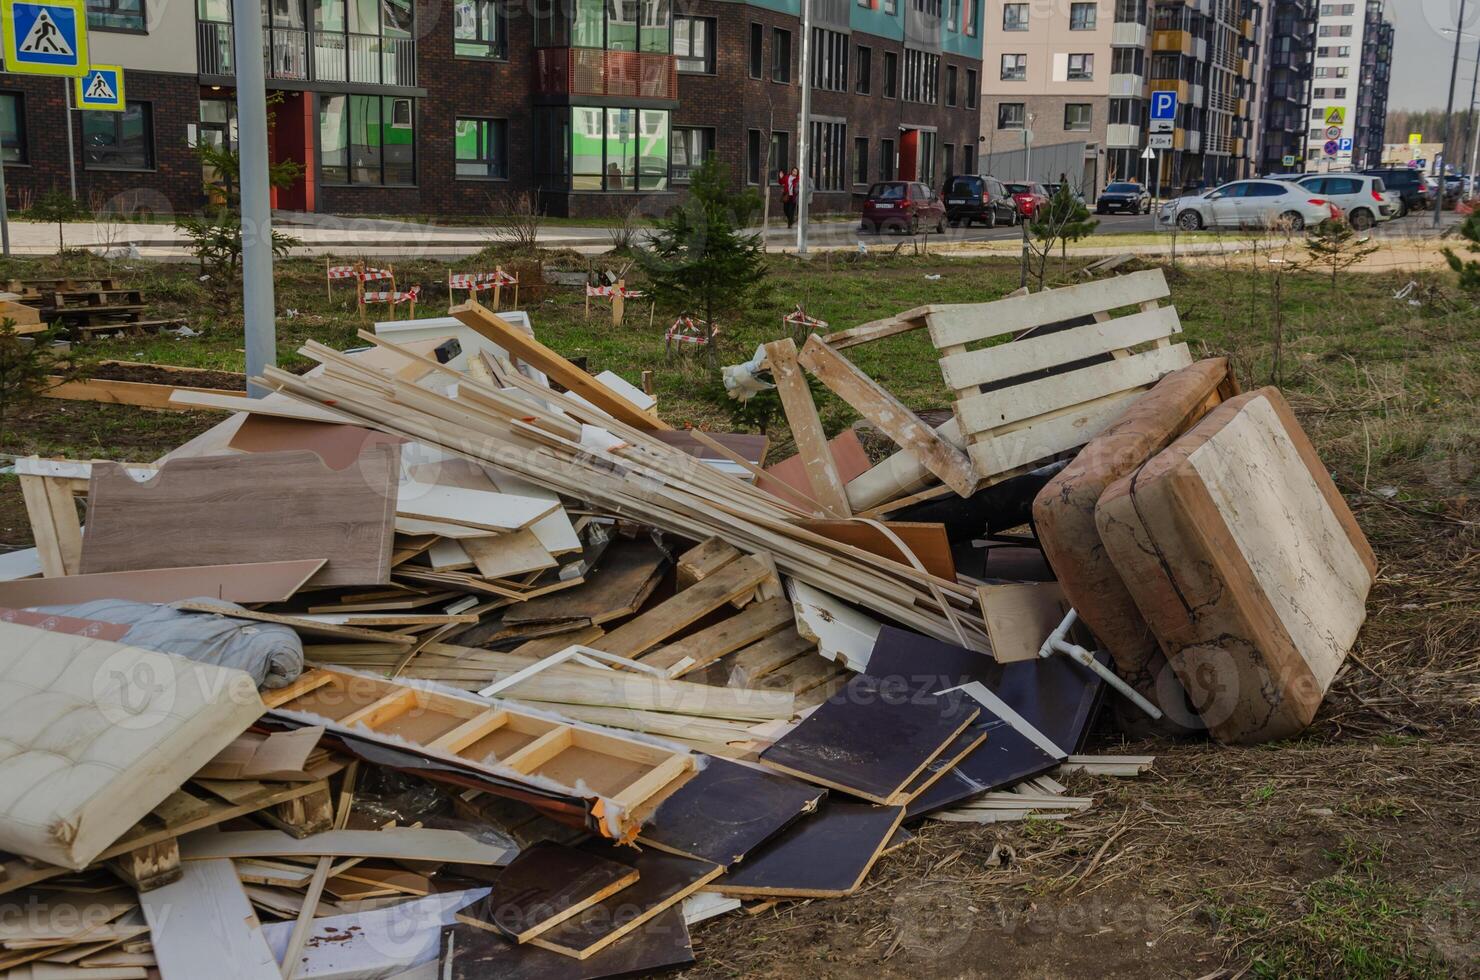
(886, 159)
(117, 15)
(693, 44)
(971, 17)
(479, 30)
(829, 60)
(921, 76)
(891, 75)
(1014, 17)
(1077, 116)
(860, 160)
(1010, 115)
(119, 140)
(863, 69)
(366, 139)
(971, 88)
(753, 156)
(1083, 16)
(13, 128)
(1081, 67)
(948, 156)
(1338, 9)
(1014, 67)
(780, 151)
(1127, 61)
(1336, 30)
(780, 55)
(950, 84)
(826, 165)
(482, 148)
(968, 159)
(757, 55)
(692, 145)
(953, 15)
(891, 7)
(618, 149)
(1340, 72)
(616, 25)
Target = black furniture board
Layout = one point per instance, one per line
(546, 884)
(824, 856)
(662, 943)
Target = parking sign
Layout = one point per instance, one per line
(1164, 105)
(1346, 144)
(44, 37)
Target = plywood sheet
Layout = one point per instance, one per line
(203, 926)
(928, 542)
(825, 855)
(849, 459)
(259, 507)
(337, 445)
(660, 945)
(544, 886)
(622, 579)
(270, 581)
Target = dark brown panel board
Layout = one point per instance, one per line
(827, 855)
(545, 885)
(662, 943)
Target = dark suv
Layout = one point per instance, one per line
(970, 198)
(1413, 193)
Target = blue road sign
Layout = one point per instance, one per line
(44, 37)
(1163, 105)
(1332, 148)
(1346, 144)
(101, 88)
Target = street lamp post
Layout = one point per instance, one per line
(1449, 111)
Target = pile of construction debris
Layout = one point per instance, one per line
(450, 659)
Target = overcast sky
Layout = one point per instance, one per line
(1422, 55)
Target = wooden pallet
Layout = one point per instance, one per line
(1068, 368)
(131, 326)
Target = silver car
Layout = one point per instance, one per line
(1250, 203)
(1364, 199)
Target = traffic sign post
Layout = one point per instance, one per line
(1150, 156)
(44, 37)
(1288, 160)
(101, 89)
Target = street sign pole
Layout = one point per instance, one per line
(4, 213)
(804, 129)
(71, 147)
(256, 221)
(1459, 36)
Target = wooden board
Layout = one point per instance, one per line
(868, 740)
(523, 346)
(659, 946)
(727, 811)
(504, 555)
(337, 445)
(736, 579)
(1246, 562)
(928, 542)
(664, 881)
(399, 843)
(1020, 616)
(755, 662)
(820, 472)
(203, 926)
(1004, 758)
(849, 459)
(1064, 517)
(620, 582)
(489, 511)
(272, 581)
(544, 886)
(263, 507)
(875, 403)
(755, 622)
(825, 855)
(956, 324)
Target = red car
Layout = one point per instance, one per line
(903, 205)
(1029, 195)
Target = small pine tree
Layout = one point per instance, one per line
(1333, 245)
(1469, 271)
(58, 207)
(1062, 220)
(698, 258)
(30, 365)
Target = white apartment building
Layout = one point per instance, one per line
(1349, 45)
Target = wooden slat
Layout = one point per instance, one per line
(272, 581)
(952, 326)
(993, 409)
(752, 623)
(891, 415)
(806, 428)
(970, 368)
(996, 456)
(736, 579)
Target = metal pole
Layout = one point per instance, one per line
(804, 128)
(1470, 116)
(1459, 35)
(1470, 133)
(71, 148)
(4, 212)
(256, 228)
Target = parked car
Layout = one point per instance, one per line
(1052, 190)
(1124, 195)
(904, 206)
(971, 198)
(1250, 203)
(1408, 184)
(1029, 197)
(1363, 198)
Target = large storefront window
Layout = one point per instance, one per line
(367, 139)
(618, 149)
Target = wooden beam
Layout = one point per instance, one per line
(737, 578)
(138, 393)
(806, 428)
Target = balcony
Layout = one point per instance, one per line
(1183, 89)
(1119, 134)
(1172, 41)
(1127, 86)
(1128, 34)
(596, 71)
(292, 54)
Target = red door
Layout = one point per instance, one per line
(909, 154)
(290, 136)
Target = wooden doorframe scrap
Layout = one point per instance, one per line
(806, 428)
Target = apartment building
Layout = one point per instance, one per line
(438, 107)
(1349, 87)
(1289, 57)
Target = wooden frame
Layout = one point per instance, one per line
(806, 428)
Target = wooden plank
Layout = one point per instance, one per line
(657, 624)
(954, 325)
(875, 403)
(141, 394)
(1020, 616)
(1006, 406)
(397, 843)
(301, 624)
(928, 542)
(263, 507)
(503, 555)
(754, 622)
(523, 346)
(617, 585)
(203, 926)
(274, 404)
(806, 428)
(873, 330)
(337, 445)
(998, 456)
(703, 560)
(272, 581)
(825, 855)
(473, 508)
(544, 886)
(1046, 351)
(759, 659)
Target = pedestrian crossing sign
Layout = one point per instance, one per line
(101, 88)
(44, 37)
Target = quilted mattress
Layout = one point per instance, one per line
(94, 734)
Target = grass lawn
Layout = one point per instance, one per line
(1350, 851)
